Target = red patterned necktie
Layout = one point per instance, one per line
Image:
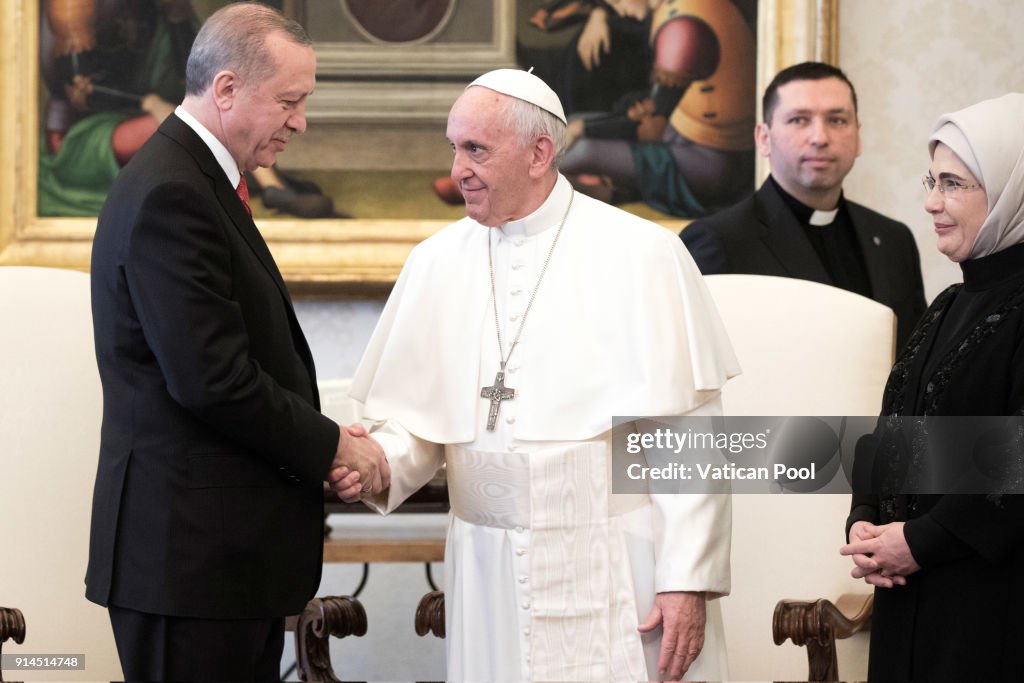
(243, 193)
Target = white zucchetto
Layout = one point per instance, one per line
(522, 85)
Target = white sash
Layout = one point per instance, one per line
(583, 613)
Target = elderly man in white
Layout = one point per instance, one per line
(510, 340)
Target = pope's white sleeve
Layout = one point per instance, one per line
(413, 461)
(693, 534)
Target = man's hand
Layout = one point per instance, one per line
(346, 484)
(78, 90)
(683, 615)
(359, 453)
(540, 19)
(880, 554)
(595, 40)
(640, 110)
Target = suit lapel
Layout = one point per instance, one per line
(785, 239)
(180, 132)
(871, 246)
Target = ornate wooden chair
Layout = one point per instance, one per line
(324, 617)
(817, 625)
(343, 616)
(814, 350)
(12, 627)
(430, 614)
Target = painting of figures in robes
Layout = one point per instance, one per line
(112, 71)
(660, 96)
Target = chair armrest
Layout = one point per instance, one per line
(818, 625)
(325, 617)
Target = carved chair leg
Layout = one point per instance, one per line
(430, 614)
(325, 617)
(12, 627)
(822, 664)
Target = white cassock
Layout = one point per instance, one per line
(547, 574)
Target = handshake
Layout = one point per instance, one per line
(359, 466)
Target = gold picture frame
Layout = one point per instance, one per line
(323, 256)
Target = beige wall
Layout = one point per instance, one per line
(911, 61)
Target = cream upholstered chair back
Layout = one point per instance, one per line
(50, 411)
(805, 349)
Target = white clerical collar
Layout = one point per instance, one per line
(220, 152)
(823, 217)
(548, 215)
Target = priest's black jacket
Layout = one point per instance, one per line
(760, 235)
(208, 498)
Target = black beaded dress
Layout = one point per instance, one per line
(962, 616)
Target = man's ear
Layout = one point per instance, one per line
(225, 89)
(543, 153)
(761, 141)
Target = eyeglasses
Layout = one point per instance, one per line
(949, 186)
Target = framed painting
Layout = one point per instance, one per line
(362, 99)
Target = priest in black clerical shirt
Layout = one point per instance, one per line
(798, 224)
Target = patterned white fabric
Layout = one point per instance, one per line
(547, 575)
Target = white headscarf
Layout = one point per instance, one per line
(989, 138)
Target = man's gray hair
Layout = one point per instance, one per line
(530, 122)
(233, 39)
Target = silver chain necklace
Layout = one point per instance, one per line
(498, 392)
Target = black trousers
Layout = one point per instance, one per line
(153, 647)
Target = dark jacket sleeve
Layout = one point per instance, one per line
(931, 543)
(705, 246)
(958, 526)
(179, 274)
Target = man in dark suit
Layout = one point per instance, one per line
(798, 224)
(208, 506)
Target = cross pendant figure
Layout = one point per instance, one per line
(496, 393)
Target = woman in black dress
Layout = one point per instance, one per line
(949, 569)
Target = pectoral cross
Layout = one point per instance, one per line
(497, 393)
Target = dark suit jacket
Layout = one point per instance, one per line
(761, 236)
(208, 500)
